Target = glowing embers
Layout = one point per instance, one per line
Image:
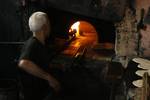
(74, 30)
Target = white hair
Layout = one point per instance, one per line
(37, 20)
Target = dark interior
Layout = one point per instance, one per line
(91, 70)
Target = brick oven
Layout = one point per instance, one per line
(84, 44)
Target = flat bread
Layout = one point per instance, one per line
(138, 83)
(143, 67)
(142, 62)
(141, 72)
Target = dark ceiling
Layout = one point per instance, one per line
(102, 9)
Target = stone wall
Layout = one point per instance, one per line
(145, 33)
(126, 45)
(132, 33)
(126, 38)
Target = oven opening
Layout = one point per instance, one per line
(84, 33)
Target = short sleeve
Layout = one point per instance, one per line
(29, 51)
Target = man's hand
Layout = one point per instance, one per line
(54, 84)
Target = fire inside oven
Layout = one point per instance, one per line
(83, 35)
(83, 32)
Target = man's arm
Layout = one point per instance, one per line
(35, 70)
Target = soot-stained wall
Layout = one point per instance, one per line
(145, 33)
(102, 9)
(133, 31)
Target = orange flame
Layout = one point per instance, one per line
(76, 27)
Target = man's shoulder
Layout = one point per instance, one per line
(31, 42)
(30, 49)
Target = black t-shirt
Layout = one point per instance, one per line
(36, 52)
(39, 54)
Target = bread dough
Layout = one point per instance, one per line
(142, 62)
(138, 83)
(143, 67)
(141, 72)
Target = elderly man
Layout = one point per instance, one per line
(34, 60)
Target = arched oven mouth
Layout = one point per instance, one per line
(84, 38)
